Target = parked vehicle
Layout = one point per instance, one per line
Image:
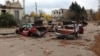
(70, 30)
(32, 30)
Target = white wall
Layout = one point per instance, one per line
(11, 11)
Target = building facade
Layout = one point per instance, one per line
(63, 14)
(59, 14)
(89, 14)
(27, 19)
(14, 8)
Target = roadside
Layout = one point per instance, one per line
(96, 47)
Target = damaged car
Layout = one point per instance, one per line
(29, 29)
(69, 30)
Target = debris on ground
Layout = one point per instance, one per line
(21, 38)
(47, 40)
(96, 47)
(33, 44)
(47, 52)
(79, 55)
(61, 45)
(11, 45)
(79, 43)
(31, 50)
(87, 40)
(50, 39)
(50, 35)
(64, 43)
(8, 36)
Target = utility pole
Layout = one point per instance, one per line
(36, 8)
(23, 7)
(98, 5)
(13, 1)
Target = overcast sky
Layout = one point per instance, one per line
(49, 5)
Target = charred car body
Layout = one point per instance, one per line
(29, 29)
(70, 30)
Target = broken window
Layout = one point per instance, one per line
(3, 11)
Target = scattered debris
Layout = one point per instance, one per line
(11, 45)
(50, 39)
(22, 38)
(4, 34)
(8, 36)
(96, 47)
(79, 43)
(31, 50)
(93, 31)
(47, 51)
(33, 44)
(64, 43)
(61, 45)
(72, 47)
(87, 40)
(47, 40)
(79, 55)
(50, 35)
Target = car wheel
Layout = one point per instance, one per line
(30, 34)
(74, 37)
(60, 37)
(76, 34)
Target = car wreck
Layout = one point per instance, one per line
(30, 29)
(69, 30)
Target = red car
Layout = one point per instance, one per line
(31, 30)
(70, 31)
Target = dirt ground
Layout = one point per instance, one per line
(96, 47)
(16, 45)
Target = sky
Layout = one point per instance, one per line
(49, 5)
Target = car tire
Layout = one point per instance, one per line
(30, 34)
(75, 36)
(60, 37)
(39, 35)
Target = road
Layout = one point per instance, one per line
(48, 45)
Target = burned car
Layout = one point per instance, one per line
(70, 30)
(29, 29)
